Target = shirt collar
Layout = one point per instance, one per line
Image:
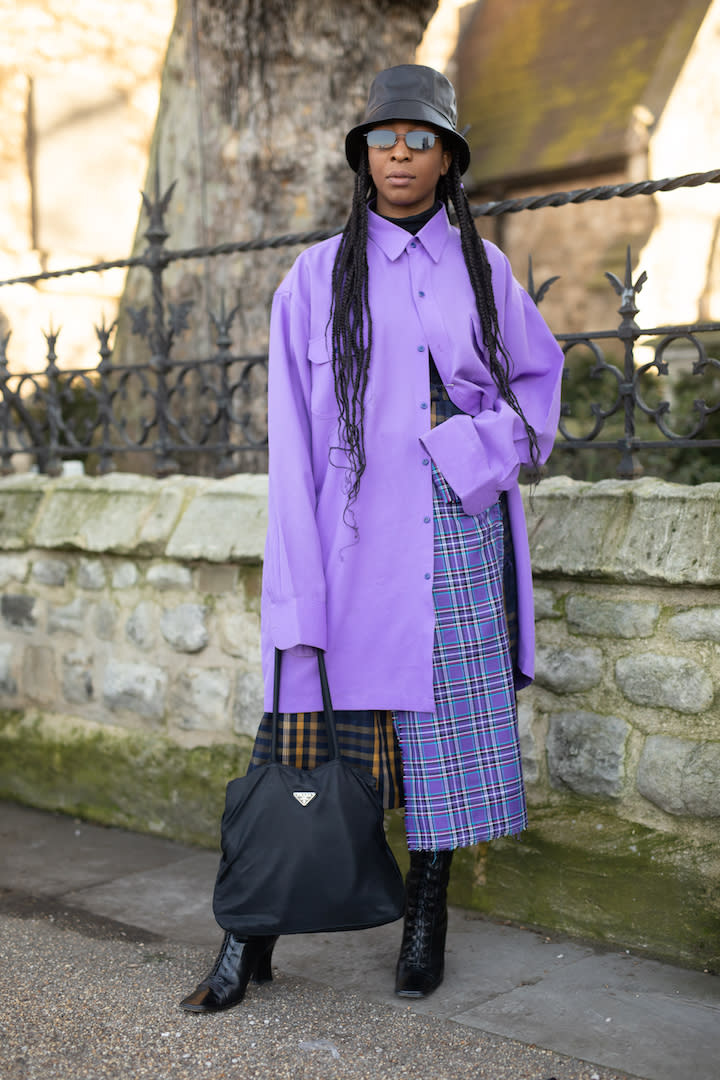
(393, 239)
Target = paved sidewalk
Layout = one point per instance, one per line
(103, 931)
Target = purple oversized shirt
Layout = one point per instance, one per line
(367, 600)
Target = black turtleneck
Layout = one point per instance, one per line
(415, 222)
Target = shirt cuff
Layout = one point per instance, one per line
(298, 622)
(458, 453)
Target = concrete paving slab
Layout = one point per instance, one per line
(50, 853)
(483, 960)
(174, 900)
(619, 1011)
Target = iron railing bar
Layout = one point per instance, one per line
(96, 268)
(635, 444)
(602, 193)
(489, 209)
(655, 331)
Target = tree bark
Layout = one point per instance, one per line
(256, 98)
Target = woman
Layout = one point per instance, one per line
(410, 378)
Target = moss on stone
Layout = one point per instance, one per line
(134, 779)
(587, 873)
(18, 510)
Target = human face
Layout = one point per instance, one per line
(406, 179)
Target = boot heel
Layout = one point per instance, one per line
(263, 969)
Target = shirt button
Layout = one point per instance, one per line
(426, 461)
(426, 519)
(421, 293)
(421, 348)
(427, 577)
(423, 405)
(413, 244)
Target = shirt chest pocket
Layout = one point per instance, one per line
(323, 401)
(322, 384)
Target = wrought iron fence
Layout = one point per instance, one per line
(197, 415)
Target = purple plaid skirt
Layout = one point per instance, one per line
(461, 764)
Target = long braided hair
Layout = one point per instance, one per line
(352, 322)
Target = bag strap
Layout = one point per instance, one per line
(328, 711)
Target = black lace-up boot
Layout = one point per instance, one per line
(236, 964)
(422, 954)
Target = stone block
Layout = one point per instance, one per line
(216, 580)
(640, 531)
(92, 517)
(140, 626)
(248, 708)
(699, 624)
(681, 775)
(586, 752)
(184, 627)
(200, 700)
(39, 676)
(545, 604)
(70, 617)
(104, 621)
(8, 686)
(166, 576)
(77, 677)
(567, 671)
(666, 682)
(52, 572)
(118, 513)
(239, 635)
(125, 575)
(138, 688)
(91, 575)
(13, 568)
(157, 528)
(227, 521)
(19, 612)
(528, 742)
(611, 618)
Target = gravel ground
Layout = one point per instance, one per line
(83, 998)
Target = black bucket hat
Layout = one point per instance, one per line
(410, 92)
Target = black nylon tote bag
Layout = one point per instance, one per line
(304, 850)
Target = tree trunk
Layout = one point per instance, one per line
(256, 98)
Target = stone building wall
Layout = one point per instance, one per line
(130, 686)
(79, 88)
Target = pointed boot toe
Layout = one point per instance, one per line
(236, 964)
(414, 982)
(202, 1000)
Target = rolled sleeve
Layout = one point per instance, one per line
(481, 455)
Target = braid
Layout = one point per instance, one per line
(352, 335)
(480, 274)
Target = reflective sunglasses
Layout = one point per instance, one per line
(383, 139)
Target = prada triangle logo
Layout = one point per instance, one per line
(304, 797)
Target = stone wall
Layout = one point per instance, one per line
(130, 687)
(129, 645)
